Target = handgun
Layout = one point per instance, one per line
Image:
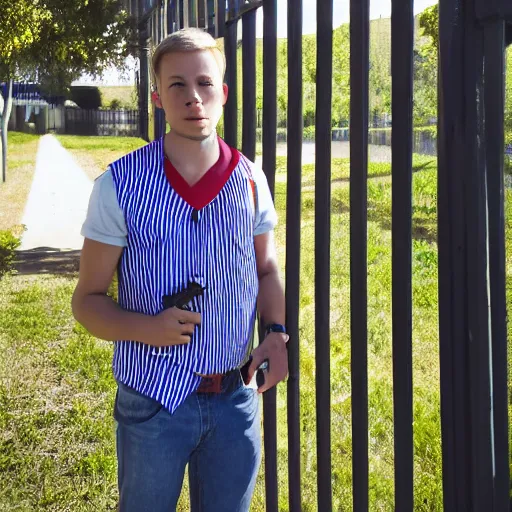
(183, 298)
(260, 372)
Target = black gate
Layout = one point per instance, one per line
(117, 123)
(470, 236)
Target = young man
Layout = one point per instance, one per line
(185, 209)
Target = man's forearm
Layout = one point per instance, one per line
(106, 320)
(271, 301)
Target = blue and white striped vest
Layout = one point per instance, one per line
(168, 248)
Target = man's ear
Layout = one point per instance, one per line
(225, 90)
(156, 99)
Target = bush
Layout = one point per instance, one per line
(8, 244)
(87, 97)
(115, 104)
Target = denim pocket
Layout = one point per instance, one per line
(132, 407)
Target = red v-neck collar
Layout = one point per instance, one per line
(208, 187)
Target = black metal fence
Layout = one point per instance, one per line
(471, 242)
(101, 122)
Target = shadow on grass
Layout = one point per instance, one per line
(422, 229)
(47, 260)
(374, 176)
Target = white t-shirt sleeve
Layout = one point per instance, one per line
(266, 215)
(105, 221)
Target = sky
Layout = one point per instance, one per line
(378, 8)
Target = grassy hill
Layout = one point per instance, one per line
(125, 95)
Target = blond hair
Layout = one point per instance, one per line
(186, 40)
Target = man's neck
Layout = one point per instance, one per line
(191, 158)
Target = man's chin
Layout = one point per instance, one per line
(201, 136)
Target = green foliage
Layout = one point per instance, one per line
(425, 75)
(8, 244)
(115, 104)
(20, 28)
(380, 67)
(59, 40)
(86, 96)
(429, 22)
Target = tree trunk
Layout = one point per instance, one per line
(4, 121)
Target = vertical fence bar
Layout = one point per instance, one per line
(451, 250)
(269, 167)
(402, 44)
(219, 18)
(293, 226)
(171, 16)
(323, 136)
(269, 90)
(359, 66)
(157, 24)
(478, 334)
(249, 84)
(494, 48)
(231, 108)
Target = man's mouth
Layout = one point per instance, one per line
(196, 118)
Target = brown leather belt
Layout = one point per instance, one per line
(213, 383)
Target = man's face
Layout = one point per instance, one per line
(191, 92)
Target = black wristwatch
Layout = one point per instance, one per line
(275, 328)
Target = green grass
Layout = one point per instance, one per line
(57, 447)
(94, 154)
(97, 143)
(428, 492)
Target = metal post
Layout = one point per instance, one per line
(359, 66)
(144, 41)
(494, 89)
(323, 137)
(249, 84)
(402, 44)
(269, 167)
(231, 108)
(466, 403)
(293, 227)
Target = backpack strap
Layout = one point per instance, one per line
(248, 169)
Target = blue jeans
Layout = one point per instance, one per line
(218, 435)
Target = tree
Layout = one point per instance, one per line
(84, 36)
(57, 41)
(20, 26)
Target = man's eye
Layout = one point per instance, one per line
(177, 84)
(206, 84)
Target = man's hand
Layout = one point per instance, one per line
(273, 348)
(173, 326)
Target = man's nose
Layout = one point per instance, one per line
(194, 98)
